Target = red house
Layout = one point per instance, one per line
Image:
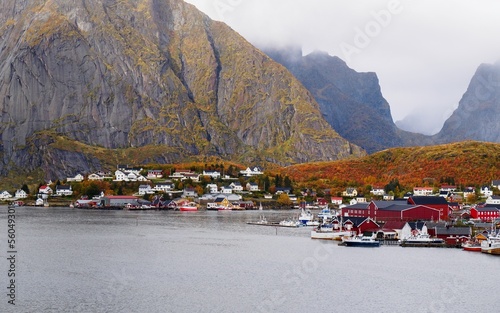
(384, 211)
(485, 213)
(438, 203)
(359, 224)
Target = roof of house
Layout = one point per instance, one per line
(457, 231)
(426, 200)
(486, 208)
(359, 220)
(394, 225)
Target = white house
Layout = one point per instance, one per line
(377, 191)
(121, 176)
(189, 193)
(486, 191)
(212, 188)
(64, 190)
(493, 200)
(213, 174)
(252, 186)
(95, 176)
(237, 187)
(164, 187)
(45, 190)
(423, 191)
(146, 189)
(77, 178)
(21, 194)
(337, 200)
(4, 195)
(226, 190)
(249, 172)
(155, 174)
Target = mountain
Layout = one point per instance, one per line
(126, 74)
(478, 112)
(351, 102)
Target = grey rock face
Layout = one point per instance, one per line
(478, 112)
(121, 74)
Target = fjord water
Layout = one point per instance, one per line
(71, 260)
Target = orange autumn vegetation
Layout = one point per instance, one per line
(469, 163)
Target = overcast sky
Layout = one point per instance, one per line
(424, 51)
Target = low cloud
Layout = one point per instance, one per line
(423, 51)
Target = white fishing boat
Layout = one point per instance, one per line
(305, 217)
(361, 241)
(492, 244)
(421, 238)
(326, 213)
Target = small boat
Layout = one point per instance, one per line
(325, 231)
(491, 245)
(190, 207)
(305, 217)
(422, 238)
(326, 213)
(260, 206)
(15, 204)
(472, 245)
(224, 208)
(289, 223)
(361, 241)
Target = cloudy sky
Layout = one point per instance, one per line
(424, 51)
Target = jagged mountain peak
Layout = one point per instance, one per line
(478, 112)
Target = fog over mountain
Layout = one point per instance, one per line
(424, 52)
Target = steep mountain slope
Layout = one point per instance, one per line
(120, 74)
(350, 101)
(478, 113)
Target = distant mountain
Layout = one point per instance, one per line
(478, 114)
(123, 74)
(351, 102)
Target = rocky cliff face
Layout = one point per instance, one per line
(351, 102)
(120, 74)
(478, 112)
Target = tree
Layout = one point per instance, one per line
(26, 189)
(284, 200)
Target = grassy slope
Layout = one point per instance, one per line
(469, 163)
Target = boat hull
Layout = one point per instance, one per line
(362, 244)
(491, 247)
(329, 235)
(188, 208)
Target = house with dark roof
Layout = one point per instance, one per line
(383, 211)
(435, 202)
(485, 213)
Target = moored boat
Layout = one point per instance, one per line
(472, 245)
(422, 238)
(491, 245)
(361, 241)
(305, 217)
(326, 213)
(188, 208)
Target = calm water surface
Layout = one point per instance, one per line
(71, 260)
